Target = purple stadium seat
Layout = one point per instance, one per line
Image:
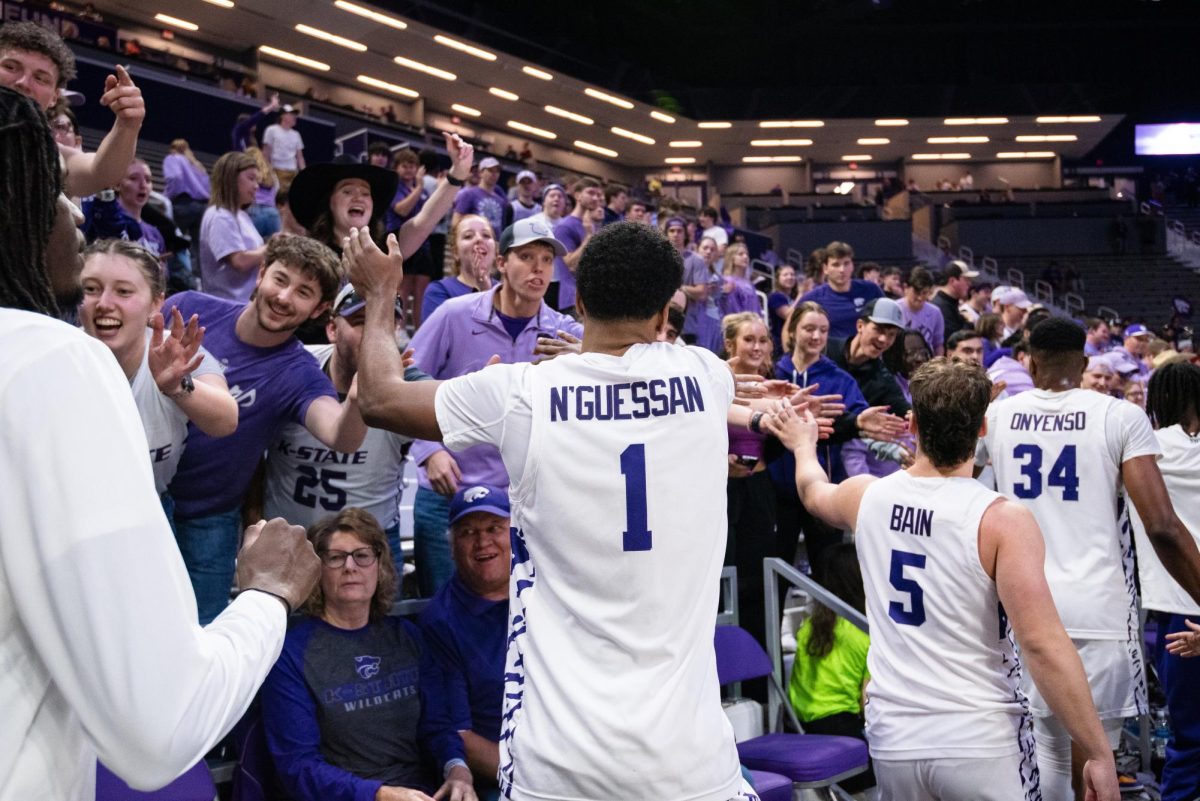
(194, 785)
(808, 760)
(771, 786)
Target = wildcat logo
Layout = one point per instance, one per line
(475, 493)
(243, 398)
(366, 666)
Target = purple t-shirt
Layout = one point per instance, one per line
(152, 239)
(489, 205)
(843, 307)
(775, 302)
(222, 233)
(569, 230)
(181, 177)
(392, 220)
(272, 386)
(520, 211)
(441, 291)
(741, 298)
(929, 320)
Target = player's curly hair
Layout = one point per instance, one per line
(361, 524)
(30, 183)
(1173, 396)
(949, 400)
(628, 271)
(33, 38)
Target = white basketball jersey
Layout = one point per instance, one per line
(945, 679)
(618, 515)
(1060, 455)
(307, 480)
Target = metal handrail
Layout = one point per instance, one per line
(1073, 302)
(966, 254)
(1015, 278)
(727, 613)
(1043, 291)
(794, 258)
(773, 570)
(1107, 313)
(990, 267)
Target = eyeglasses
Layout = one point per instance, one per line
(363, 557)
(354, 299)
(63, 127)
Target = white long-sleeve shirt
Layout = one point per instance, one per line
(100, 651)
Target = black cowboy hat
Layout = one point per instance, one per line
(311, 188)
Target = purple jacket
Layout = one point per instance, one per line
(458, 339)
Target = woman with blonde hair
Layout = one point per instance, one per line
(231, 249)
(739, 294)
(186, 184)
(263, 210)
(472, 245)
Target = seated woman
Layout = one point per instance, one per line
(473, 248)
(174, 380)
(344, 707)
(829, 676)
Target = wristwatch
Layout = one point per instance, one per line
(186, 387)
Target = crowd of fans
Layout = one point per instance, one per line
(203, 295)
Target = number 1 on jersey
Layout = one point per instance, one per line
(637, 535)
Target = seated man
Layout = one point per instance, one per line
(466, 627)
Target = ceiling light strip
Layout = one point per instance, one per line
(332, 38)
(504, 93)
(470, 112)
(637, 137)
(661, 117)
(536, 73)
(603, 151)
(607, 98)
(177, 22)
(570, 115)
(375, 16)
(425, 68)
(292, 57)
(530, 129)
(403, 91)
(792, 124)
(463, 47)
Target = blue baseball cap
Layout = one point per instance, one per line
(1137, 330)
(472, 498)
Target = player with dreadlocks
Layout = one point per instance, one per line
(1174, 404)
(29, 184)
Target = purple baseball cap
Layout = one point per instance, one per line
(472, 498)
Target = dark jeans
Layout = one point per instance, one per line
(209, 547)
(750, 539)
(431, 541)
(1180, 678)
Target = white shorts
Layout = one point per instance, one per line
(1009, 778)
(1116, 675)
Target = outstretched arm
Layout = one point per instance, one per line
(414, 232)
(88, 173)
(386, 399)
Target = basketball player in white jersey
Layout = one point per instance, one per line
(1064, 453)
(943, 560)
(617, 461)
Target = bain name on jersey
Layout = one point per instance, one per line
(306, 453)
(911, 520)
(1029, 421)
(634, 400)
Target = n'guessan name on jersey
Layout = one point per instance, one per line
(1068, 421)
(635, 400)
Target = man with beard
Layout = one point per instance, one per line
(275, 381)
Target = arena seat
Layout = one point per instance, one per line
(195, 784)
(808, 760)
(771, 786)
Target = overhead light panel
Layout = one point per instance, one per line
(461, 109)
(685, 143)
(389, 87)
(371, 14)
(176, 22)
(661, 117)
(792, 124)
(221, 3)
(425, 68)
(1075, 118)
(857, 157)
(536, 73)
(957, 140)
(1031, 154)
(332, 38)
(530, 129)
(940, 156)
(976, 120)
(680, 160)
(770, 159)
(603, 151)
(292, 57)
(1048, 138)
(637, 137)
(504, 93)
(780, 142)
(714, 125)
(570, 115)
(463, 47)
(896, 122)
(874, 140)
(607, 98)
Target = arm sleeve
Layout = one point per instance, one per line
(854, 458)
(294, 736)
(223, 236)
(242, 129)
(471, 408)
(171, 167)
(437, 728)
(210, 365)
(97, 581)
(310, 383)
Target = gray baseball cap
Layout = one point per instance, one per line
(883, 311)
(530, 229)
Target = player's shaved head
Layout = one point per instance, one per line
(1056, 349)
